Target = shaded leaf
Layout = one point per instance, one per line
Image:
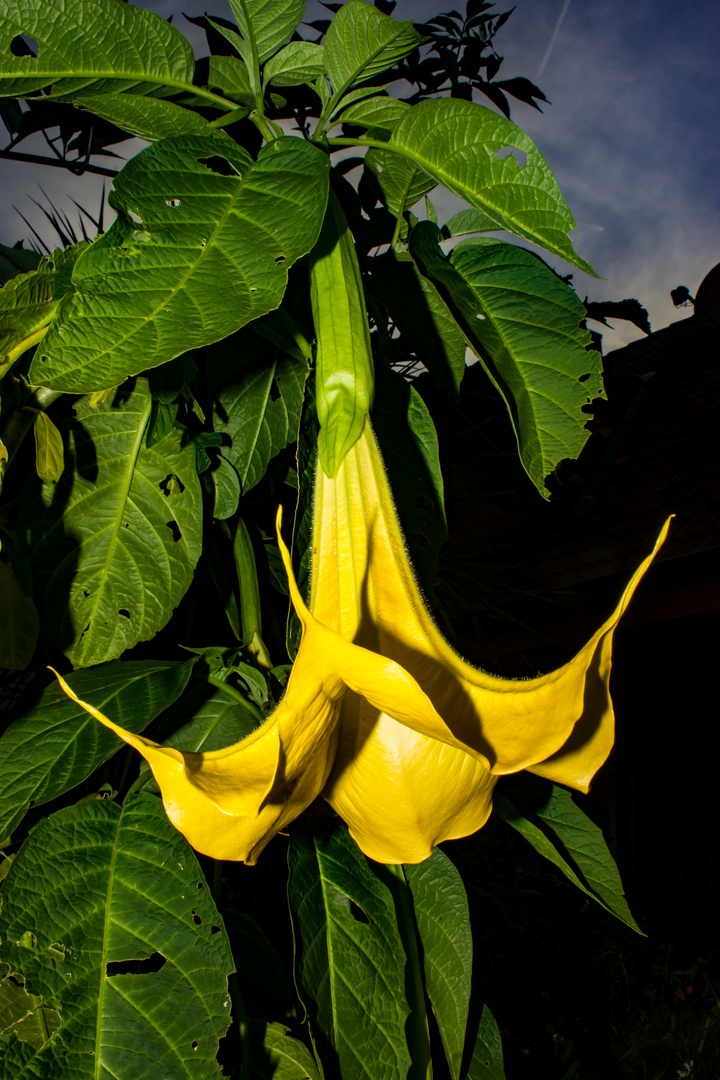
(213, 717)
(487, 1056)
(226, 483)
(49, 452)
(261, 977)
(401, 181)
(19, 626)
(229, 74)
(559, 830)
(126, 943)
(443, 922)
(525, 324)
(277, 1055)
(56, 745)
(115, 542)
(15, 261)
(350, 963)
(259, 405)
(22, 1014)
(468, 221)
(458, 143)
(361, 42)
(121, 48)
(202, 245)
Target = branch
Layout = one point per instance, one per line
(77, 169)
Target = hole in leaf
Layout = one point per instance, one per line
(214, 929)
(280, 259)
(219, 165)
(24, 46)
(44, 359)
(134, 218)
(357, 913)
(172, 202)
(85, 592)
(124, 612)
(171, 485)
(135, 967)
(175, 530)
(200, 885)
(585, 377)
(196, 918)
(274, 391)
(519, 155)
(423, 503)
(194, 1044)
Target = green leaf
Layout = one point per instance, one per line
(230, 75)
(49, 452)
(29, 302)
(562, 833)
(202, 245)
(350, 963)
(409, 445)
(148, 117)
(270, 22)
(298, 62)
(14, 261)
(361, 42)
(443, 922)
(374, 112)
(214, 716)
(126, 943)
(114, 544)
(23, 1014)
(226, 484)
(457, 143)
(19, 627)
(258, 407)
(524, 323)
(92, 46)
(422, 317)
(487, 1058)
(278, 1055)
(468, 221)
(57, 745)
(401, 182)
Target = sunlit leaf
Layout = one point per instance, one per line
(374, 112)
(126, 944)
(361, 42)
(230, 74)
(49, 452)
(559, 830)
(92, 46)
(202, 245)
(470, 150)
(298, 62)
(443, 922)
(401, 181)
(276, 1055)
(350, 964)
(524, 323)
(148, 117)
(56, 745)
(271, 22)
(114, 543)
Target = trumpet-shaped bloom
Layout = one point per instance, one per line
(401, 736)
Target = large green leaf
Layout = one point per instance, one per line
(29, 302)
(56, 745)
(559, 830)
(202, 245)
(148, 117)
(114, 544)
(271, 23)
(350, 962)
(298, 62)
(92, 46)
(361, 42)
(422, 317)
(400, 180)
(276, 1055)
(443, 922)
(259, 405)
(524, 323)
(458, 143)
(107, 917)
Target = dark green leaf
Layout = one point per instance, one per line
(259, 405)
(94, 46)
(443, 922)
(562, 833)
(469, 221)
(14, 261)
(261, 977)
(57, 745)
(125, 942)
(227, 489)
(350, 963)
(524, 323)
(487, 1058)
(276, 1055)
(229, 74)
(458, 142)
(148, 117)
(19, 626)
(202, 245)
(114, 544)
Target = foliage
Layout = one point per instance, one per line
(256, 283)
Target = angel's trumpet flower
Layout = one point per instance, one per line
(403, 737)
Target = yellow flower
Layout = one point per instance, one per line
(404, 739)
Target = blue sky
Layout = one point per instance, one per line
(631, 135)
